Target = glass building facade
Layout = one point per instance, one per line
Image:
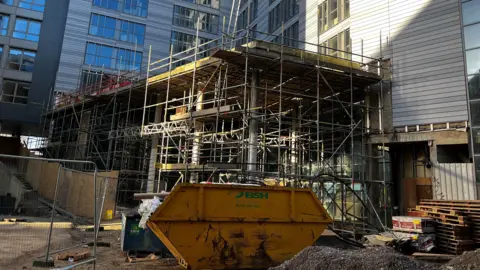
(471, 35)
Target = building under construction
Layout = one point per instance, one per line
(250, 112)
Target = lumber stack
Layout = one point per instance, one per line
(452, 227)
(470, 208)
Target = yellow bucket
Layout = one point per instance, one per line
(108, 215)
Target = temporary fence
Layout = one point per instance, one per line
(47, 208)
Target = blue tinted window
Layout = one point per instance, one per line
(110, 4)
(187, 17)
(20, 59)
(111, 57)
(91, 48)
(471, 12)
(112, 28)
(109, 31)
(6, 2)
(37, 5)
(27, 29)
(136, 7)
(132, 7)
(3, 24)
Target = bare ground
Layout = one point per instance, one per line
(22, 244)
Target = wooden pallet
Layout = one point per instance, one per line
(460, 205)
(452, 236)
(447, 221)
(439, 210)
(454, 246)
(454, 250)
(415, 213)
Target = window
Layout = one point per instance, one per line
(474, 86)
(132, 32)
(322, 17)
(27, 29)
(91, 77)
(111, 28)
(6, 2)
(20, 59)
(347, 45)
(208, 3)
(37, 5)
(339, 45)
(472, 38)
(1, 53)
(281, 13)
(333, 46)
(346, 9)
(331, 12)
(323, 47)
(475, 113)
(132, 7)
(186, 17)
(15, 92)
(290, 36)
(473, 61)
(136, 7)
(112, 58)
(471, 12)
(243, 17)
(110, 4)
(242, 20)
(253, 10)
(182, 42)
(3, 24)
(102, 26)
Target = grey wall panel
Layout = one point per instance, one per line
(423, 101)
(74, 44)
(454, 181)
(424, 98)
(425, 47)
(158, 32)
(446, 117)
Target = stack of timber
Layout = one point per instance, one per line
(469, 208)
(453, 225)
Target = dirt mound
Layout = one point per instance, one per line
(469, 260)
(319, 258)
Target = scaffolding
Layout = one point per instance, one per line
(252, 112)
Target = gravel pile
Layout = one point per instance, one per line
(381, 258)
(469, 260)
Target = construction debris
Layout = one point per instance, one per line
(150, 257)
(437, 257)
(74, 255)
(146, 208)
(321, 258)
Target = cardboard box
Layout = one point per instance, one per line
(413, 224)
